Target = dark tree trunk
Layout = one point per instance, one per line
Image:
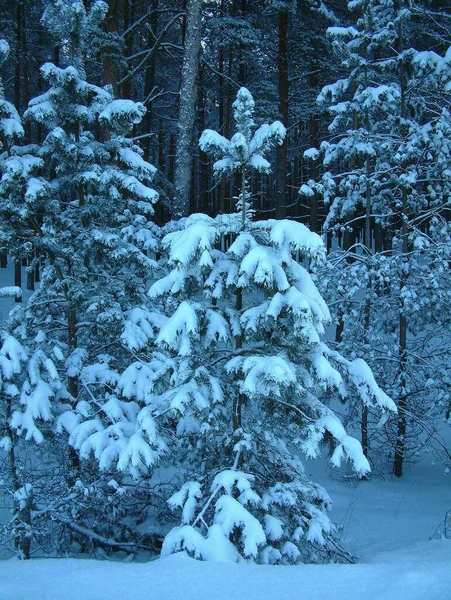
(18, 277)
(149, 80)
(127, 9)
(400, 445)
(204, 180)
(110, 67)
(282, 150)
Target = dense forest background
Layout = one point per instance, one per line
(277, 49)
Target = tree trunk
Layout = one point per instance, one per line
(367, 308)
(127, 19)
(74, 461)
(30, 278)
(110, 67)
(18, 65)
(237, 402)
(404, 267)
(402, 351)
(314, 171)
(282, 150)
(204, 180)
(149, 80)
(18, 277)
(242, 70)
(187, 110)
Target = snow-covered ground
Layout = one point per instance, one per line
(386, 522)
(418, 573)
(387, 514)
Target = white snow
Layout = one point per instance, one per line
(306, 190)
(10, 292)
(385, 521)
(420, 573)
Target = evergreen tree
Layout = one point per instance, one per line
(257, 329)
(388, 140)
(10, 130)
(29, 383)
(81, 203)
(10, 122)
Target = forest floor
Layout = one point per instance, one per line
(386, 522)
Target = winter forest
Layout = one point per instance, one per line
(225, 245)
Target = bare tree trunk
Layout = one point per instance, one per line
(30, 278)
(18, 277)
(187, 110)
(25, 63)
(161, 147)
(402, 340)
(282, 150)
(402, 351)
(242, 70)
(18, 65)
(204, 180)
(127, 19)
(110, 68)
(149, 80)
(314, 171)
(367, 308)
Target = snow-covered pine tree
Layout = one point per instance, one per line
(246, 149)
(10, 130)
(386, 171)
(76, 29)
(83, 202)
(10, 122)
(239, 382)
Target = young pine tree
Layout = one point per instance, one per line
(250, 320)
